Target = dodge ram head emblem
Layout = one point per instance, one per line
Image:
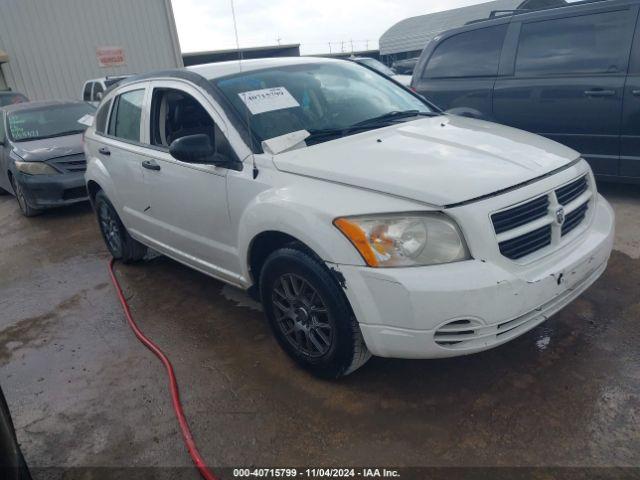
(560, 216)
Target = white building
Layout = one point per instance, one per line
(48, 49)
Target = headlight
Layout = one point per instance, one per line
(35, 168)
(405, 240)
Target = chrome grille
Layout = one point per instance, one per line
(520, 215)
(574, 219)
(531, 226)
(570, 192)
(525, 244)
(70, 163)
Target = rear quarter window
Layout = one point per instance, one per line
(101, 117)
(469, 54)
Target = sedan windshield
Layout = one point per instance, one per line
(328, 100)
(47, 122)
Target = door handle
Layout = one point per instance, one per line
(600, 93)
(636, 93)
(151, 165)
(104, 151)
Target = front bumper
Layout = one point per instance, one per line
(402, 311)
(47, 191)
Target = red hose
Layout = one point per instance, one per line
(173, 384)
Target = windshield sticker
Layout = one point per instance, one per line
(268, 100)
(18, 130)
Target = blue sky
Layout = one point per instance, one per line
(207, 24)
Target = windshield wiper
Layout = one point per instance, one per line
(325, 134)
(395, 115)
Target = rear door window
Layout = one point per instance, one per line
(588, 44)
(86, 93)
(469, 54)
(126, 115)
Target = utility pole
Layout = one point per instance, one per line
(329, 47)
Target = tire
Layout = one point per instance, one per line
(118, 241)
(309, 314)
(26, 210)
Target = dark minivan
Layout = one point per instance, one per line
(569, 73)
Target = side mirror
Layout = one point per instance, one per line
(196, 149)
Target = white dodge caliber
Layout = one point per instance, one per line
(364, 219)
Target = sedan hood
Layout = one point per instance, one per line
(439, 160)
(46, 149)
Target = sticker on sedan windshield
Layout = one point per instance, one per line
(268, 100)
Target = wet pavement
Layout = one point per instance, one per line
(84, 392)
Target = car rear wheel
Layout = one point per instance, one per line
(26, 210)
(120, 244)
(310, 315)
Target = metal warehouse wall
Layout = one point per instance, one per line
(52, 43)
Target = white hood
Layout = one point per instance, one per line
(440, 160)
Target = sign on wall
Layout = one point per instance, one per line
(110, 56)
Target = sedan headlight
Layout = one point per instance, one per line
(35, 168)
(405, 240)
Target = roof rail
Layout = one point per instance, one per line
(499, 14)
(542, 5)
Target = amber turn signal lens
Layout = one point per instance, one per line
(358, 238)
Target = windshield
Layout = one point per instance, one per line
(47, 122)
(316, 97)
(376, 65)
(11, 99)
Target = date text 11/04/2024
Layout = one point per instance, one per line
(315, 473)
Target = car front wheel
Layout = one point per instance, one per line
(26, 210)
(120, 244)
(310, 315)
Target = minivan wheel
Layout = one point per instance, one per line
(120, 244)
(310, 315)
(26, 210)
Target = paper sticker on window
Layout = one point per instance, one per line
(86, 120)
(268, 100)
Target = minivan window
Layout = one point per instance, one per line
(469, 54)
(101, 117)
(125, 119)
(86, 94)
(595, 43)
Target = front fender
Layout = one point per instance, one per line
(310, 226)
